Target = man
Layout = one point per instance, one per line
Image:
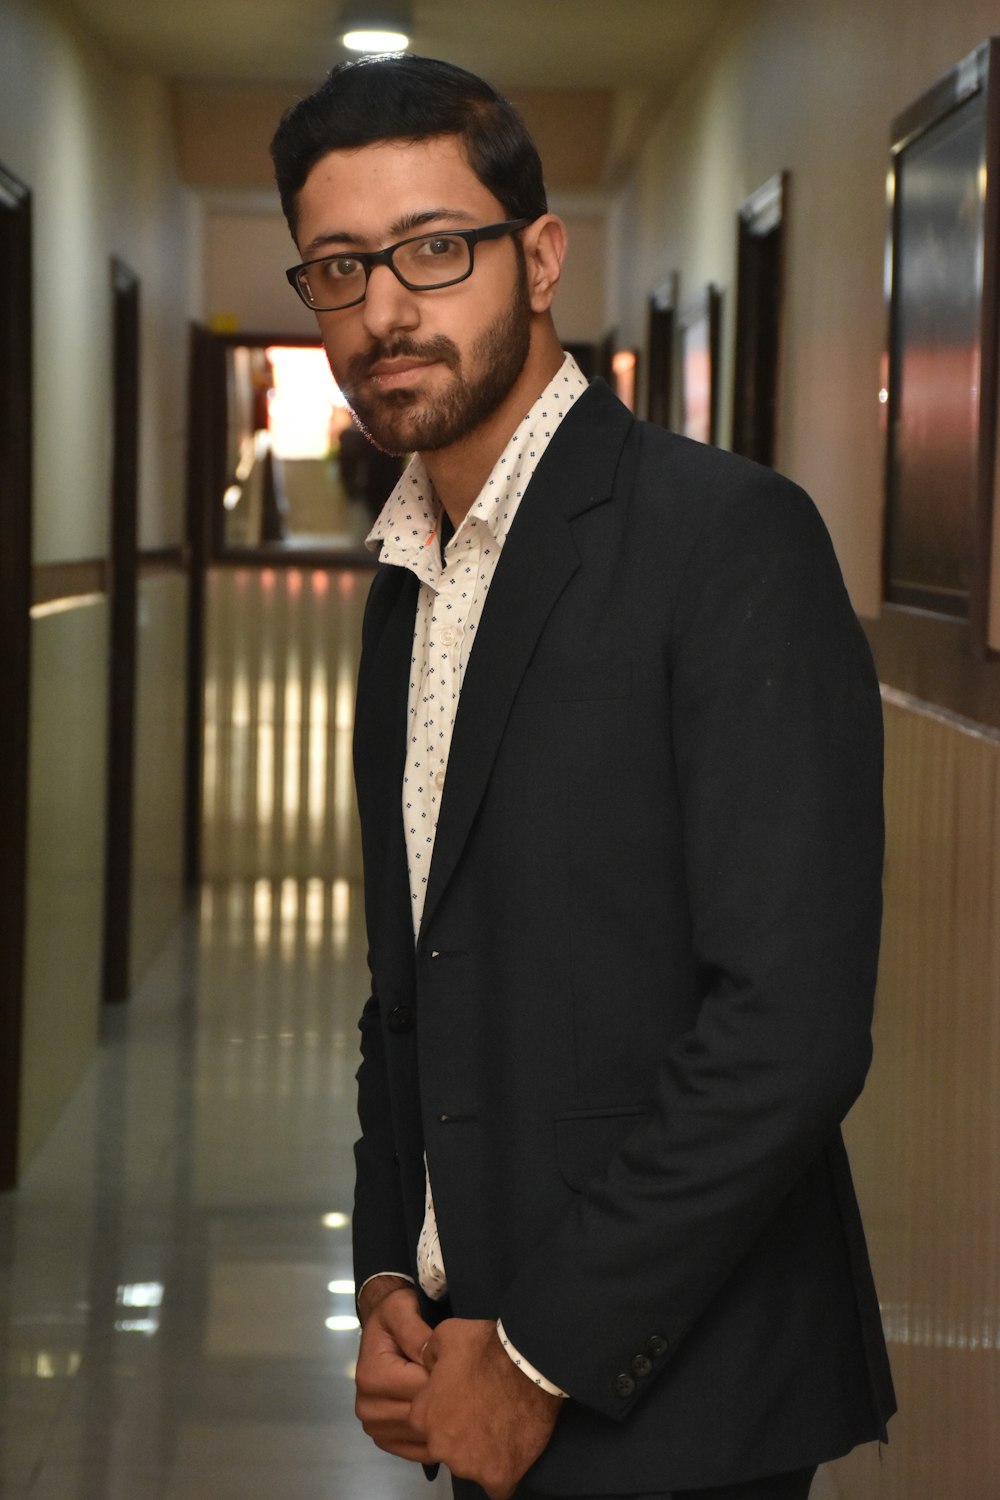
(618, 763)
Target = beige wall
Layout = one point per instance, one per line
(65, 861)
(809, 88)
(94, 144)
(925, 1136)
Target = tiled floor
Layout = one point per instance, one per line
(176, 1304)
(175, 1271)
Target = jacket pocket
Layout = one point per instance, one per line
(586, 1140)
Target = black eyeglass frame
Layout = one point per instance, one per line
(370, 258)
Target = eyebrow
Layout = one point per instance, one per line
(398, 229)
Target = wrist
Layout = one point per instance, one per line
(377, 1289)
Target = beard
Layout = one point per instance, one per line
(405, 422)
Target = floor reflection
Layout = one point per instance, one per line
(281, 657)
(176, 1303)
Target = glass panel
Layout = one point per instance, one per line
(936, 363)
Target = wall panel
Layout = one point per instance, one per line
(65, 860)
(158, 830)
(925, 1136)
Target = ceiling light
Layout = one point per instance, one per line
(376, 26)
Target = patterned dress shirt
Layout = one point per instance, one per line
(454, 582)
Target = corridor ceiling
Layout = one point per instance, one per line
(589, 75)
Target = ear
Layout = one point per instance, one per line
(544, 243)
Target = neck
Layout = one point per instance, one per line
(459, 471)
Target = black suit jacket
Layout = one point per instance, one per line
(640, 1002)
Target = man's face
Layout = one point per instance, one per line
(421, 370)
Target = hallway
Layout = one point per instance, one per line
(176, 1310)
(176, 1303)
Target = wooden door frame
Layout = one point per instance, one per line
(15, 641)
(122, 589)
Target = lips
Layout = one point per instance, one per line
(399, 365)
(392, 374)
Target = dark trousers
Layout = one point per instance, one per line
(794, 1486)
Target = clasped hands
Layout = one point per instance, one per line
(448, 1395)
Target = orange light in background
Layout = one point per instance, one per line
(303, 402)
(623, 371)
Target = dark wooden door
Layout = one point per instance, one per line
(758, 321)
(15, 603)
(122, 591)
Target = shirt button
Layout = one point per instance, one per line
(447, 636)
(400, 1019)
(439, 780)
(623, 1386)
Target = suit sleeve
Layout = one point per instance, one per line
(377, 1226)
(776, 738)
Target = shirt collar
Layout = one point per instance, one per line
(406, 532)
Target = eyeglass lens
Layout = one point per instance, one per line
(431, 261)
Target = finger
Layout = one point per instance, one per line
(405, 1444)
(416, 1452)
(390, 1379)
(430, 1353)
(377, 1411)
(393, 1430)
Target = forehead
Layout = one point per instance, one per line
(363, 192)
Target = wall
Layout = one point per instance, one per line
(925, 1136)
(94, 145)
(810, 89)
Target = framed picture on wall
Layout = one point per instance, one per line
(699, 361)
(942, 541)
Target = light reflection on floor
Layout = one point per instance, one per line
(176, 1305)
(281, 657)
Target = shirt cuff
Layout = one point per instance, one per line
(526, 1368)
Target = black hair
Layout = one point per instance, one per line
(408, 98)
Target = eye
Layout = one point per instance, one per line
(437, 247)
(440, 245)
(340, 267)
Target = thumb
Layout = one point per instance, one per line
(407, 1327)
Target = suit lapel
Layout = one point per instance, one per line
(539, 558)
(380, 752)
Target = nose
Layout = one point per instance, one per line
(388, 305)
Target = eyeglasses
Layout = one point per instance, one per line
(422, 263)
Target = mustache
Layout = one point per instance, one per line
(438, 349)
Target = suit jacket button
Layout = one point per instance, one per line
(623, 1386)
(656, 1347)
(641, 1366)
(400, 1019)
